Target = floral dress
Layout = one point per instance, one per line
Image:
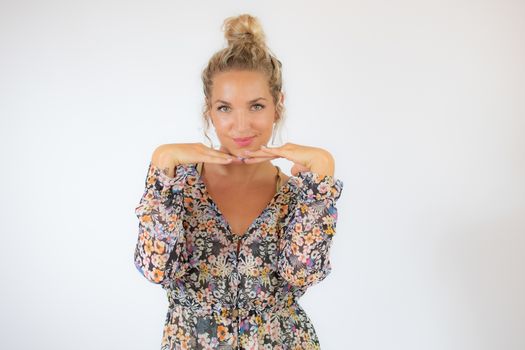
(229, 291)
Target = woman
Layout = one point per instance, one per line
(232, 239)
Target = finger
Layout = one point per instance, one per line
(263, 157)
(259, 159)
(216, 153)
(215, 156)
(218, 160)
(280, 151)
(257, 153)
(287, 151)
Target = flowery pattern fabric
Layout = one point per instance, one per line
(229, 291)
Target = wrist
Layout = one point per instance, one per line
(324, 164)
(164, 160)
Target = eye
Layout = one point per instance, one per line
(219, 108)
(260, 105)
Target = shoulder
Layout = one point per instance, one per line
(283, 178)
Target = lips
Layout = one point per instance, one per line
(243, 141)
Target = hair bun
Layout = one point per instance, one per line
(243, 28)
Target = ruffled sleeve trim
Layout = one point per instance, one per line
(157, 179)
(312, 186)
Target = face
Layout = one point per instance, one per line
(242, 110)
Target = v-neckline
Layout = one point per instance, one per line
(221, 216)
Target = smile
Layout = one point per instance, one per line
(245, 141)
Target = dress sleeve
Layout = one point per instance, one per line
(309, 229)
(160, 226)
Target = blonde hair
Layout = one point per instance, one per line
(246, 50)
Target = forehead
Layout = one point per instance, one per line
(240, 84)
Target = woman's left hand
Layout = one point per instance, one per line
(305, 158)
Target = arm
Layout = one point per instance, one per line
(308, 232)
(161, 234)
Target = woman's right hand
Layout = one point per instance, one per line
(166, 157)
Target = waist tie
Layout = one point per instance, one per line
(282, 307)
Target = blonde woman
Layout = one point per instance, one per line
(233, 240)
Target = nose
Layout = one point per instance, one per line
(241, 121)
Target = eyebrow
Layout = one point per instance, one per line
(252, 101)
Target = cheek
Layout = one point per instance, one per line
(264, 122)
(265, 126)
(222, 124)
(258, 122)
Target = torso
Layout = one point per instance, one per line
(240, 207)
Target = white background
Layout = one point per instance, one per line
(422, 104)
